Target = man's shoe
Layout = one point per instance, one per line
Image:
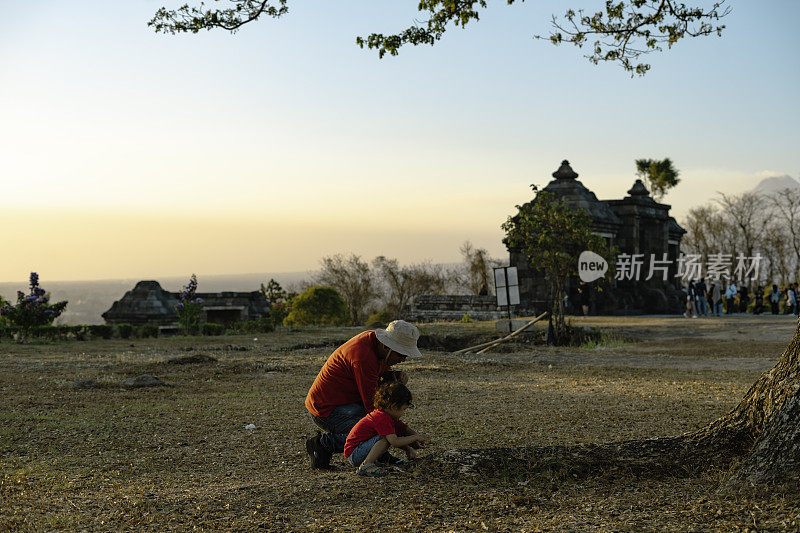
(320, 457)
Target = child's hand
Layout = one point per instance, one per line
(411, 453)
(423, 439)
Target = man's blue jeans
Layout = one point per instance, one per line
(701, 306)
(338, 424)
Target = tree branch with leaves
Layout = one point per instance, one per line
(622, 31)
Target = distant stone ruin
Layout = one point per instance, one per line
(148, 303)
(452, 307)
(636, 224)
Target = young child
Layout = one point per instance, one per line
(371, 437)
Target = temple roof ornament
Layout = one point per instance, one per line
(565, 172)
(639, 189)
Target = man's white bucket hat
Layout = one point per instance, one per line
(401, 337)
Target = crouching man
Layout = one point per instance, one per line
(344, 390)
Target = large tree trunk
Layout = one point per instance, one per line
(775, 458)
(740, 428)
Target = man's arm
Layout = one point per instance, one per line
(367, 382)
(395, 375)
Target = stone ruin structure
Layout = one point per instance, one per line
(452, 307)
(148, 303)
(636, 224)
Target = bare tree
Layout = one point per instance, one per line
(478, 268)
(703, 231)
(733, 224)
(776, 250)
(787, 205)
(746, 215)
(402, 284)
(353, 280)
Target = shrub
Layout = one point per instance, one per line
(81, 332)
(466, 319)
(278, 311)
(52, 332)
(125, 331)
(318, 306)
(260, 325)
(102, 330)
(189, 308)
(32, 310)
(384, 317)
(209, 328)
(148, 330)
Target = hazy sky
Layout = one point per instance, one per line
(129, 154)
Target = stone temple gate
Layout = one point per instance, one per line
(635, 224)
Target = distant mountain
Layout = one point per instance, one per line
(776, 184)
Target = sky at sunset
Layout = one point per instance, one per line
(128, 154)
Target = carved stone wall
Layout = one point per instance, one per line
(451, 307)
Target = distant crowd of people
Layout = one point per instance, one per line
(717, 298)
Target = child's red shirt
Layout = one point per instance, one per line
(375, 423)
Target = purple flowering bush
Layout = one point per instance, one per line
(189, 308)
(32, 310)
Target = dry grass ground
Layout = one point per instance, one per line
(179, 457)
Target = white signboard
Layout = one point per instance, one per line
(506, 286)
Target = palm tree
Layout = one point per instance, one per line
(661, 175)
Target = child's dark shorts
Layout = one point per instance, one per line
(361, 451)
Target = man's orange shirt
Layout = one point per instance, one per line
(350, 375)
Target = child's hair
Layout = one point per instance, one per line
(392, 394)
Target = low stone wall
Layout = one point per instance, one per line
(452, 307)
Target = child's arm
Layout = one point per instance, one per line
(402, 442)
(406, 431)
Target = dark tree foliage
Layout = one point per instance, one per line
(552, 235)
(619, 33)
(318, 306)
(32, 310)
(660, 173)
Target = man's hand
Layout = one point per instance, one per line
(401, 376)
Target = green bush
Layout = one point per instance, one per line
(260, 325)
(125, 331)
(209, 328)
(384, 317)
(52, 333)
(148, 330)
(81, 332)
(278, 311)
(318, 306)
(104, 331)
(466, 319)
